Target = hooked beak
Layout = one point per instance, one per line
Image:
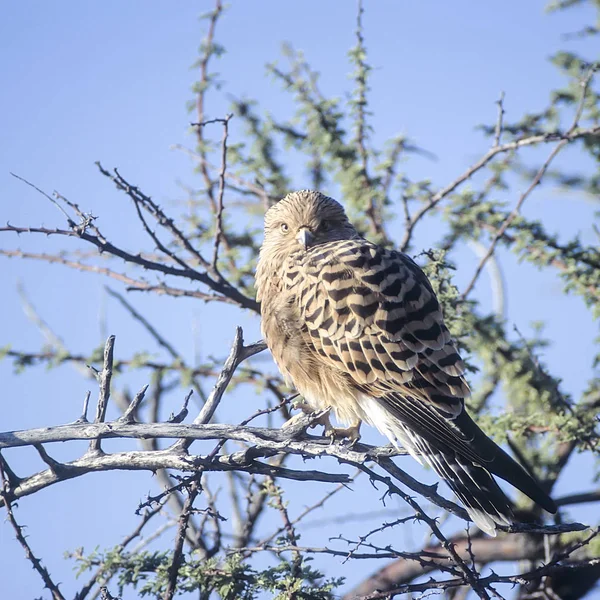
(305, 237)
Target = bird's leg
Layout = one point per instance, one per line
(352, 433)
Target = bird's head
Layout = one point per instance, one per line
(305, 219)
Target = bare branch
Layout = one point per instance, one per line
(104, 378)
(499, 122)
(207, 53)
(37, 189)
(221, 287)
(158, 338)
(165, 459)
(144, 201)
(128, 415)
(532, 140)
(101, 572)
(511, 217)
(534, 183)
(219, 213)
(6, 493)
(86, 401)
(182, 526)
(237, 355)
(592, 496)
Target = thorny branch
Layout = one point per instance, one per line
(104, 377)
(90, 233)
(532, 140)
(102, 574)
(261, 443)
(219, 213)
(535, 181)
(182, 526)
(208, 52)
(6, 493)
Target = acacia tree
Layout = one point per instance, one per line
(225, 544)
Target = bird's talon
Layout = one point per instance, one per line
(303, 406)
(348, 436)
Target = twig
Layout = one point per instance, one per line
(388, 553)
(70, 221)
(104, 379)
(53, 357)
(427, 491)
(319, 504)
(496, 278)
(101, 571)
(184, 517)
(219, 212)
(532, 140)
(471, 577)
(363, 538)
(86, 401)
(277, 495)
(158, 338)
(207, 53)
(183, 413)
(220, 286)
(511, 217)
(534, 183)
(499, 122)
(129, 415)
(56, 259)
(142, 200)
(6, 495)
(238, 353)
(251, 188)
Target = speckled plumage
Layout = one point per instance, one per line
(358, 328)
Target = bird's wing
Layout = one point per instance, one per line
(373, 313)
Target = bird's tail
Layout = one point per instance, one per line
(503, 465)
(473, 485)
(459, 464)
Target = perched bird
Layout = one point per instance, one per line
(358, 328)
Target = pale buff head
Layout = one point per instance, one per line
(302, 220)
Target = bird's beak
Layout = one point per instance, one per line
(305, 237)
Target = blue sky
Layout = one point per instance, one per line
(109, 81)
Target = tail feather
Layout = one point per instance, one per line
(460, 453)
(503, 465)
(474, 486)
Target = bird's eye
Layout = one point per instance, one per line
(326, 225)
(284, 227)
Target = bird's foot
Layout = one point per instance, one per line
(351, 434)
(306, 408)
(306, 411)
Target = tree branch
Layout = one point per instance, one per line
(7, 495)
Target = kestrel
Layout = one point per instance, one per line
(357, 328)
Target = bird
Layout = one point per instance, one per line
(357, 329)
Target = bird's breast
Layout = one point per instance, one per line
(297, 359)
